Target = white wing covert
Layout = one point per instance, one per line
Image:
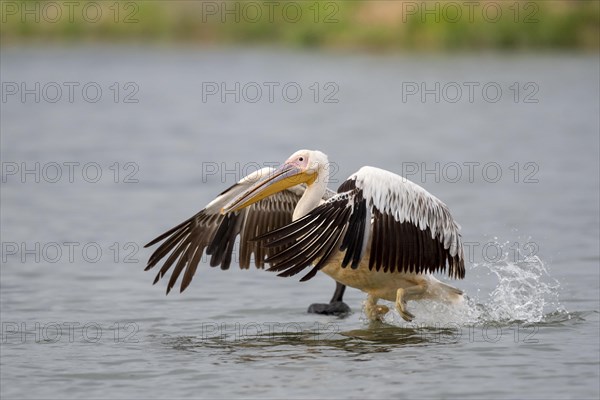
(407, 230)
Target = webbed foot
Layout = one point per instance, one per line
(338, 308)
(335, 307)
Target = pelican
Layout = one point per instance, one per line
(379, 233)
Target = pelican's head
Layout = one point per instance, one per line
(310, 163)
(304, 166)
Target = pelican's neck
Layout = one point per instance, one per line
(312, 195)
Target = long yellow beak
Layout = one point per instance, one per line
(284, 177)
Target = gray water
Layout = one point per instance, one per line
(77, 323)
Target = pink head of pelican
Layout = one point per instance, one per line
(310, 167)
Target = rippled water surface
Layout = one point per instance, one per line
(77, 323)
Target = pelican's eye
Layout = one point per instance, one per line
(301, 159)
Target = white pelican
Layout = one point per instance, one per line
(380, 233)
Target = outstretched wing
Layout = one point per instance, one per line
(216, 234)
(404, 228)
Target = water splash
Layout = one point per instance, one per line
(525, 292)
(522, 291)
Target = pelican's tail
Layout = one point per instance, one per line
(445, 292)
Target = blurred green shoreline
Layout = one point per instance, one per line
(359, 24)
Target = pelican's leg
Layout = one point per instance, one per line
(404, 294)
(335, 307)
(373, 311)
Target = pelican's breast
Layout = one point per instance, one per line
(377, 283)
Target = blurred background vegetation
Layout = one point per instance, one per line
(355, 24)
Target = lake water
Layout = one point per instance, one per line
(104, 148)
